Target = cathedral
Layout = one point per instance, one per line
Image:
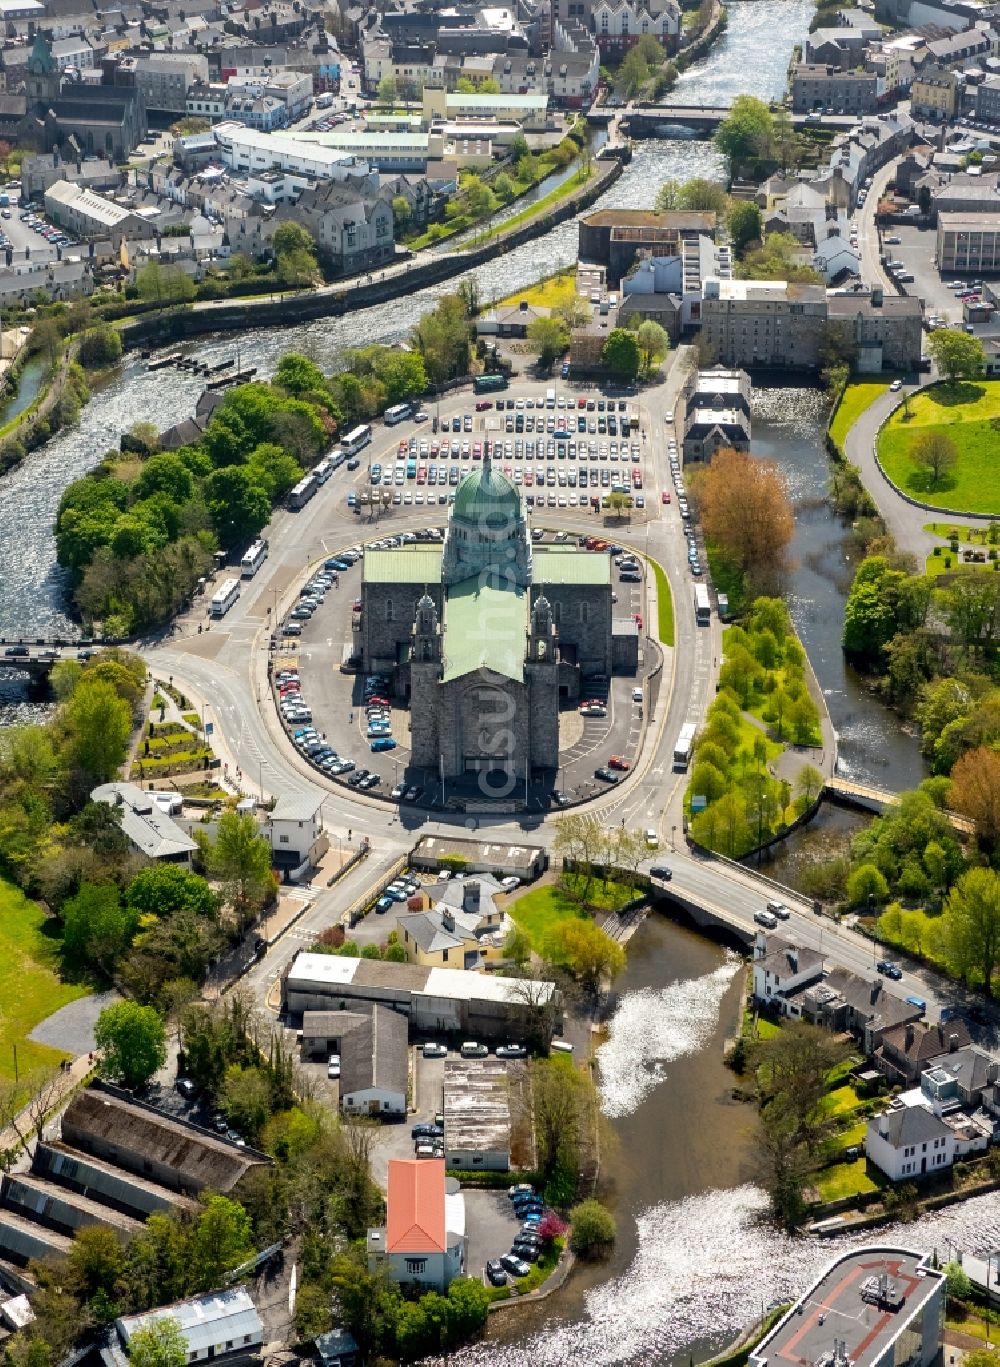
(486, 635)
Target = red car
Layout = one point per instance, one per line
(483, 404)
(665, 496)
(616, 762)
(356, 605)
(637, 619)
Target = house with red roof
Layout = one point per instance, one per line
(423, 1240)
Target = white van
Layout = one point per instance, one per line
(560, 1046)
(550, 398)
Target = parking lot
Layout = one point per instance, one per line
(916, 250)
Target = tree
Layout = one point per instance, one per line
(810, 783)
(744, 223)
(959, 1285)
(549, 337)
(245, 1100)
(703, 195)
(882, 601)
(620, 354)
(592, 1230)
(222, 1240)
(972, 924)
(585, 950)
(164, 284)
(668, 196)
(97, 929)
(160, 1344)
(653, 344)
(632, 74)
(401, 213)
(240, 858)
(99, 724)
(867, 885)
(779, 257)
(133, 1042)
(100, 346)
(971, 606)
(936, 453)
(298, 375)
(237, 503)
(748, 132)
(560, 1100)
(957, 354)
(388, 91)
(745, 509)
(164, 889)
(294, 251)
(975, 792)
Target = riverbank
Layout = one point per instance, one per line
(199, 320)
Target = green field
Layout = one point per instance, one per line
(969, 413)
(664, 606)
(537, 911)
(857, 397)
(843, 1180)
(30, 986)
(842, 1101)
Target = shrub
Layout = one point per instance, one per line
(591, 1229)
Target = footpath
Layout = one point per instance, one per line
(64, 1083)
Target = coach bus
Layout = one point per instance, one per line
(354, 441)
(254, 558)
(702, 605)
(684, 746)
(398, 413)
(487, 384)
(224, 597)
(303, 492)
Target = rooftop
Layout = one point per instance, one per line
(329, 970)
(415, 1218)
(484, 629)
(484, 854)
(403, 565)
(854, 1311)
(205, 1321)
(567, 565)
(477, 1104)
(146, 825)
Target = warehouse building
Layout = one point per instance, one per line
(477, 1112)
(968, 243)
(222, 1327)
(433, 1000)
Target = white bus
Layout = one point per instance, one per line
(336, 457)
(354, 441)
(398, 413)
(325, 100)
(684, 746)
(303, 492)
(254, 558)
(224, 597)
(702, 605)
(323, 471)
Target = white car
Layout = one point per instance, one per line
(435, 1051)
(896, 386)
(652, 839)
(333, 1066)
(509, 884)
(637, 695)
(668, 415)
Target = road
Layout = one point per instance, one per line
(224, 671)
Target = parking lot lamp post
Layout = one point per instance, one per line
(673, 833)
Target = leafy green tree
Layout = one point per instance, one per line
(164, 284)
(167, 474)
(100, 346)
(668, 196)
(98, 724)
(164, 889)
(402, 373)
(748, 132)
(221, 1240)
(549, 338)
(703, 195)
(744, 223)
(240, 858)
(160, 1344)
(867, 886)
(133, 1042)
(586, 951)
(959, 1285)
(620, 353)
(592, 1230)
(401, 213)
(237, 504)
(957, 354)
(97, 929)
(273, 469)
(972, 924)
(298, 375)
(388, 91)
(295, 254)
(245, 1100)
(632, 74)
(654, 344)
(779, 257)
(882, 601)
(936, 453)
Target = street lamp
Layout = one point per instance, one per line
(673, 833)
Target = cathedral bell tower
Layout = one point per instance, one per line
(425, 674)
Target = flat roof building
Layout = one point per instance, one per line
(968, 243)
(477, 1112)
(875, 1307)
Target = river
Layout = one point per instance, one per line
(695, 1260)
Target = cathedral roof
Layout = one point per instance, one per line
(487, 496)
(484, 629)
(41, 62)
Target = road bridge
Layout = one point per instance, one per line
(864, 797)
(694, 120)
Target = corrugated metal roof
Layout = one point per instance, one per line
(404, 565)
(224, 1317)
(566, 565)
(484, 628)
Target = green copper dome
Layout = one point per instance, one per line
(487, 498)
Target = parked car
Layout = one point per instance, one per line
(662, 872)
(470, 1049)
(333, 1066)
(511, 1051)
(424, 1131)
(186, 1088)
(520, 1188)
(889, 969)
(517, 1267)
(435, 1051)
(522, 1248)
(495, 1274)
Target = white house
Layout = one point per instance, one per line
(423, 1241)
(223, 1326)
(909, 1141)
(146, 824)
(780, 969)
(298, 841)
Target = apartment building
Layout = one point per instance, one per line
(887, 330)
(968, 244)
(166, 77)
(619, 24)
(934, 93)
(826, 87)
(988, 100)
(755, 323)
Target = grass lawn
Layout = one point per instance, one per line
(546, 294)
(857, 397)
(764, 1028)
(840, 1102)
(30, 986)
(946, 563)
(978, 535)
(554, 197)
(843, 1180)
(664, 606)
(842, 1071)
(851, 1138)
(537, 911)
(965, 412)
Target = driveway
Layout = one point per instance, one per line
(903, 520)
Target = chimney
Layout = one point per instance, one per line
(793, 960)
(952, 1043)
(909, 1037)
(448, 921)
(470, 896)
(876, 989)
(883, 1126)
